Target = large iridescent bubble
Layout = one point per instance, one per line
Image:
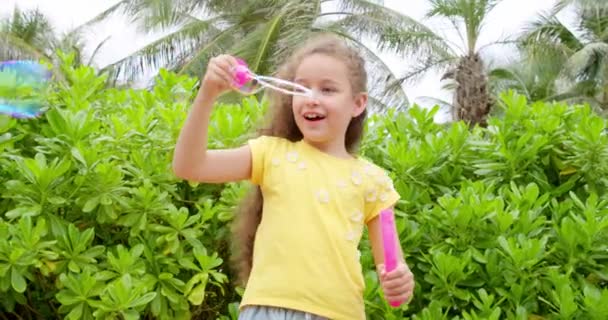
(23, 86)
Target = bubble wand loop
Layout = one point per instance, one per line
(242, 76)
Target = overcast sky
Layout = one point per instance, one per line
(508, 18)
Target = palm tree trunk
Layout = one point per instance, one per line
(473, 100)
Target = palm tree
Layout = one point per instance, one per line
(580, 53)
(30, 35)
(460, 61)
(523, 74)
(262, 32)
(25, 35)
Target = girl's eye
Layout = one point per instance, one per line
(328, 90)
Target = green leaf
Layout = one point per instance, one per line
(56, 200)
(67, 298)
(197, 295)
(91, 204)
(76, 313)
(17, 281)
(130, 315)
(143, 300)
(24, 212)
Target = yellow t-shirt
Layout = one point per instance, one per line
(315, 206)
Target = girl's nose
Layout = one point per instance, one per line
(312, 99)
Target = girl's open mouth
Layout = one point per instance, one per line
(313, 116)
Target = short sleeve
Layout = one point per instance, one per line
(260, 147)
(380, 194)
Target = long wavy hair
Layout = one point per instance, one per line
(281, 123)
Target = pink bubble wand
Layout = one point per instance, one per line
(389, 241)
(244, 76)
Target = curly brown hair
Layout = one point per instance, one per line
(281, 123)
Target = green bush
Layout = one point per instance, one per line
(504, 222)
(95, 225)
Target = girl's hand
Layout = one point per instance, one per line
(398, 284)
(219, 76)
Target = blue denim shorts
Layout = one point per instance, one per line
(275, 313)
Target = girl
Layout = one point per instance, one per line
(299, 230)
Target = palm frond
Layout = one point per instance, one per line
(549, 28)
(258, 45)
(31, 26)
(580, 93)
(502, 79)
(96, 50)
(152, 15)
(459, 9)
(380, 76)
(576, 90)
(471, 13)
(299, 24)
(594, 21)
(169, 51)
(195, 61)
(589, 63)
(393, 32)
(13, 48)
(582, 4)
(547, 42)
(436, 101)
(422, 65)
(360, 6)
(274, 39)
(118, 8)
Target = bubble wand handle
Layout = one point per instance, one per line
(389, 242)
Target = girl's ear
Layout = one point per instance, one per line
(360, 104)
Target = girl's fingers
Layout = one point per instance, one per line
(401, 298)
(227, 63)
(398, 287)
(392, 284)
(231, 61)
(400, 293)
(398, 275)
(221, 75)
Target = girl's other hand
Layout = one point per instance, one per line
(398, 284)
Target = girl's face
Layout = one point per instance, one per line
(323, 120)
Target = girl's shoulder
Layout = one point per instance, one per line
(370, 167)
(269, 145)
(267, 142)
(271, 140)
(379, 177)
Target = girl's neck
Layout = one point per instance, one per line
(333, 148)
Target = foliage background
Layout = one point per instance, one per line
(504, 222)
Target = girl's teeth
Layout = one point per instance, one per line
(313, 116)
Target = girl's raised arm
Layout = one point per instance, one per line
(191, 160)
